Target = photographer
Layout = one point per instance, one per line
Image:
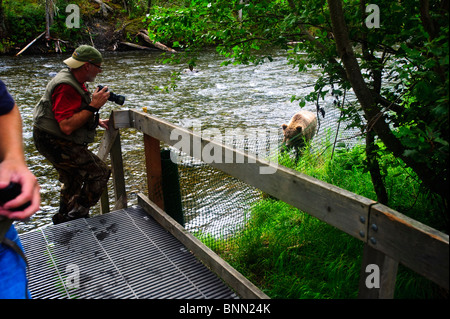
(65, 122)
(13, 169)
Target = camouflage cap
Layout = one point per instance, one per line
(84, 54)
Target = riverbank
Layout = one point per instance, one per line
(107, 25)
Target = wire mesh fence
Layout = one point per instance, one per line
(216, 206)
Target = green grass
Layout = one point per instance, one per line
(294, 255)
(290, 254)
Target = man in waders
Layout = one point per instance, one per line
(65, 122)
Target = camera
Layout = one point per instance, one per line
(116, 98)
(10, 192)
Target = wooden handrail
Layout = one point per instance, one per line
(384, 231)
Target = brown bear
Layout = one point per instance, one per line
(300, 129)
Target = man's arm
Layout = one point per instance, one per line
(71, 124)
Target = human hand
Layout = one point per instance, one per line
(99, 97)
(12, 171)
(104, 123)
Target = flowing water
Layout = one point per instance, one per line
(225, 97)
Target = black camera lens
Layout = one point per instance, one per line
(10, 192)
(116, 98)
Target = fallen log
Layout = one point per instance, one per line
(136, 46)
(144, 35)
(29, 44)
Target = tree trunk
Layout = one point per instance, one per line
(371, 147)
(48, 18)
(372, 112)
(374, 169)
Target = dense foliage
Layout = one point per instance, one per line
(23, 21)
(398, 71)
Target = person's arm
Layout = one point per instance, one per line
(13, 167)
(73, 123)
(77, 120)
(11, 136)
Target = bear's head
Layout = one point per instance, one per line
(292, 134)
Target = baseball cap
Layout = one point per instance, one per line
(82, 55)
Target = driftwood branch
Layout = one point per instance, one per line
(144, 35)
(29, 44)
(135, 46)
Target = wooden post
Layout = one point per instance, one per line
(378, 275)
(154, 171)
(104, 202)
(110, 144)
(118, 174)
(171, 187)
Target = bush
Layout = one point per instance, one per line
(24, 20)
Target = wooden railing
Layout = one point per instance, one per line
(389, 236)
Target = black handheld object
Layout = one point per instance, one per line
(6, 194)
(10, 192)
(116, 98)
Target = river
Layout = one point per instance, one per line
(224, 97)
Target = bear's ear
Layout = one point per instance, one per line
(299, 129)
(284, 126)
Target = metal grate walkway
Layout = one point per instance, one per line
(122, 254)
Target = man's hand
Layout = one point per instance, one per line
(103, 123)
(99, 97)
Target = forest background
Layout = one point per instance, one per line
(394, 56)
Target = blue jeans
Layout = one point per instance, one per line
(13, 271)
